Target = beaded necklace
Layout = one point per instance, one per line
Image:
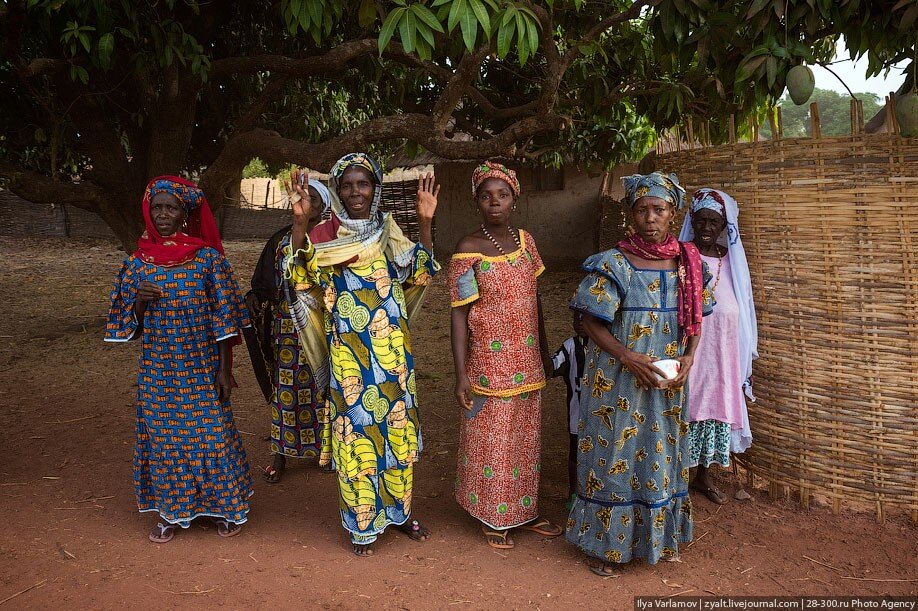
(500, 248)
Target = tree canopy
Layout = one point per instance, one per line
(114, 93)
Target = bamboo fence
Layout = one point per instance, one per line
(830, 227)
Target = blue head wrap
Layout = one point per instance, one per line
(656, 184)
(191, 197)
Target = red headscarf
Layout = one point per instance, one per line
(690, 277)
(200, 231)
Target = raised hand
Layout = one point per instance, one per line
(428, 190)
(300, 205)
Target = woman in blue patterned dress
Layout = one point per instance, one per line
(641, 301)
(357, 280)
(178, 294)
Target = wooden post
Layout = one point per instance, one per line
(894, 125)
(773, 122)
(732, 129)
(814, 120)
(860, 116)
(267, 191)
(852, 114)
(780, 124)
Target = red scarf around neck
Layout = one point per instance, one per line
(690, 279)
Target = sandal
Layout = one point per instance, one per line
(498, 539)
(414, 530)
(363, 550)
(225, 528)
(543, 527)
(713, 494)
(162, 534)
(272, 475)
(603, 569)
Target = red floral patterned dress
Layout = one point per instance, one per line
(497, 478)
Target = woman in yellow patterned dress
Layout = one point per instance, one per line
(357, 280)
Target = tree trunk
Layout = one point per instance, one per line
(125, 218)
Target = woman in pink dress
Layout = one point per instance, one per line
(720, 380)
(500, 356)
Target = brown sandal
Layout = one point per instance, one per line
(498, 539)
(543, 527)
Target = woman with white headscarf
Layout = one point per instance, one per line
(297, 410)
(718, 421)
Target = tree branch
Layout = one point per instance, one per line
(35, 187)
(457, 87)
(267, 96)
(41, 66)
(274, 148)
(330, 61)
(633, 12)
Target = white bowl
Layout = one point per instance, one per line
(668, 366)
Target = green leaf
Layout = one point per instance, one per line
(505, 38)
(84, 40)
(456, 12)
(748, 67)
(366, 15)
(406, 29)
(426, 15)
(426, 36)
(771, 69)
(106, 46)
(533, 31)
(83, 74)
(388, 28)
(522, 47)
(755, 7)
(469, 25)
(315, 11)
(481, 13)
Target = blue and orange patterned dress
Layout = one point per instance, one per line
(298, 416)
(372, 395)
(633, 450)
(188, 456)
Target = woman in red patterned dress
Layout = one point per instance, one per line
(500, 355)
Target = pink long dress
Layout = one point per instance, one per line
(716, 402)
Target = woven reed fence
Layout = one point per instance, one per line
(830, 227)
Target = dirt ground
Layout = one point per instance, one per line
(71, 535)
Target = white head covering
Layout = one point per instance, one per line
(722, 203)
(320, 187)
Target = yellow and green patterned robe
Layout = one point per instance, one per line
(372, 400)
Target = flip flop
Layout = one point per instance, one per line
(162, 534)
(272, 475)
(713, 494)
(497, 538)
(415, 531)
(225, 528)
(543, 527)
(603, 569)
